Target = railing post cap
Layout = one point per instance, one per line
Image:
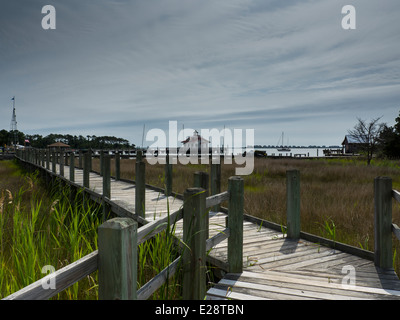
(193, 190)
(383, 178)
(118, 223)
(233, 178)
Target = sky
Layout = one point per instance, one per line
(116, 67)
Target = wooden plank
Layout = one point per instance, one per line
(152, 228)
(64, 278)
(328, 286)
(155, 283)
(303, 292)
(217, 199)
(396, 195)
(223, 235)
(306, 260)
(396, 230)
(260, 294)
(295, 260)
(229, 295)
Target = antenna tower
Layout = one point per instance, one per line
(13, 125)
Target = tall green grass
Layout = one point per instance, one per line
(41, 228)
(50, 226)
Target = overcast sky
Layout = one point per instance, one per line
(112, 66)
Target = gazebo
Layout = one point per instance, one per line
(58, 145)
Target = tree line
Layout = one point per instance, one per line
(75, 142)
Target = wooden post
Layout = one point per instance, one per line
(168, 177)
(48, 159)
(201, 181)
(80, 166)
(41, 158)
(86, 169)
(293, 203)
(106, 176)
(194, 236)
(90, 159)
(215, 183)
(53, 161)
(101, 158)
(72, 167)
(140, 185)
(117, 260)
(383, 222)
(117, 166)
(62, 163)
(106, 185)
(235, 224)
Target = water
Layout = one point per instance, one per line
(308, 152)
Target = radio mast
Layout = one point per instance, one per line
(13, 125)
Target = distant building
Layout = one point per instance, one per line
(58, 145)
(196, 141)
(351, 144)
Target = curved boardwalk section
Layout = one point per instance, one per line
(276, 267)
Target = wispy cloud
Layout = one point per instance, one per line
(112, 65)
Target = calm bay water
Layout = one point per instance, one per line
(311, 152)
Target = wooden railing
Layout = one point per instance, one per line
(383, 194)
(119, 237)
(383, 226)
(48, 159)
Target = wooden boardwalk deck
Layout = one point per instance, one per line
(274, 266)
(123, 194)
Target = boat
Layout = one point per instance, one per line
(283, 148)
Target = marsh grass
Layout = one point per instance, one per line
(41, 226)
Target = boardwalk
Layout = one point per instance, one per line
(279, 268)
(123, 194)
(275, 267)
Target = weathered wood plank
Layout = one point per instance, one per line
(396, 195)
(300, 292)
(152, 228)
(63, 278)
(396, 231)
(155, 283)
(327, 287)
(217, 199)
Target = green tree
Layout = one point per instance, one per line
(390, 140)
